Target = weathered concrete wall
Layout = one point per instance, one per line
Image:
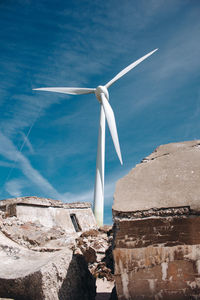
(169, 177)
(32, 275)
(85, 218)
(47, 216)
(157, 226)
(31, 200)
(158, 257)
(50, 212)
(56, 216)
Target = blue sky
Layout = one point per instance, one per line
(86, 43)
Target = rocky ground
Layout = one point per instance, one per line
(35, 236)
(62, 260)
(95, 246)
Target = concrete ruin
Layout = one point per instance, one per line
(156, 214)
(37, 261)
(72, 217)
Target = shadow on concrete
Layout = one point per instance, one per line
(103, 296)
(79, 282)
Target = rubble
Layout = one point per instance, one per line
(35, 236)
(41, 262)
(95, 246)
(38, 262)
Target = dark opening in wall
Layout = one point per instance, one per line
(77, 227)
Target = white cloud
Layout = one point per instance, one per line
(14, 187)
(75, 62)
(9, 151)
(6, 164)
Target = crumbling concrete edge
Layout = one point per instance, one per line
(154, 212)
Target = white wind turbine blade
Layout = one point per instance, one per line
(111, 124)
(67, 90)
(127, 69)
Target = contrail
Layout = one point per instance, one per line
(21, 148)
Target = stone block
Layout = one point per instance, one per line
(157, 226)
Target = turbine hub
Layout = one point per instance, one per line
(99, 90)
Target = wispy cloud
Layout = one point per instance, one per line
(27, 142)
(9, 151)
(166, 72)
(6, 164)
(15, 187)
(86, 44)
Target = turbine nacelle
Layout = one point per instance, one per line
(101, 90)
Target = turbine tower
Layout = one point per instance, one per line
(106, 113)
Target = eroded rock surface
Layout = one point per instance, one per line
(167, 178)
(38, 263)
(35, 236)
(157, 226)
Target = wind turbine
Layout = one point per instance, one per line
(106, 112)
